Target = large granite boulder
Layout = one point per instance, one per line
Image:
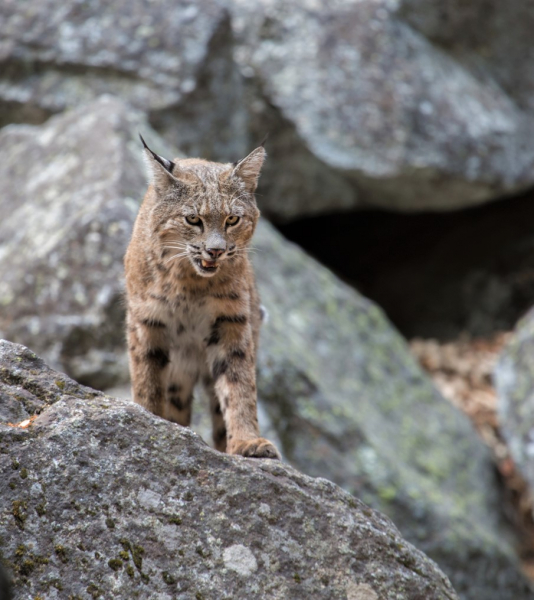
(381, 105)
(337, 384)
(363, 109)
(171, 59)
(99, 498)
(492, 38)
(349, 403)
(514, 379)
(69, 193)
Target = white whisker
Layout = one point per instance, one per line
(180, 254)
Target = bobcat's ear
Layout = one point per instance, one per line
(162, 172)
(249, 168)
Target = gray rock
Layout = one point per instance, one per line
(494, 39)
(99, 499)
(69, 193)
(379, 104)
(514, 379)
(363, 109)
(171, 59)
(349, 403)
(337, 384)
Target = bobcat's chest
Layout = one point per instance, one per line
(190, 324)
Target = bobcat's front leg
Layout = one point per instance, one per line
(148, 352)
(232, 365)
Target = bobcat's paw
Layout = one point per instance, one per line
(255, 448)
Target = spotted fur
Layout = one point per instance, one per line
(193, 312)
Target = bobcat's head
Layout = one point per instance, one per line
(204, 212)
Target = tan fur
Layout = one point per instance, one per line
(188, 320)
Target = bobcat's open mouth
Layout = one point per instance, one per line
(208, 266)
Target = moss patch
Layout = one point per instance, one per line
(61, 553)
(25, 562)
(94, 591)
(168, 578)
(115, 564)
(19, 506)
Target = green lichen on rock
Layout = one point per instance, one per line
(137, 556)
(94, 591)
(25, 562)
(168, 578)
(19, 512)
(61, 553)
(115, 564)
(349, 403)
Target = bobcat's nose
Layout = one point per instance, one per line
(215, 252)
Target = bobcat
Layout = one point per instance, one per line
(193, 311)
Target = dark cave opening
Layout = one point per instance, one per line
(435, 274)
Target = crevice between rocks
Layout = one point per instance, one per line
(436, 275)
(454, 284)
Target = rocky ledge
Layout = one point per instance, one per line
(101, 499)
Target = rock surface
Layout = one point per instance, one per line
(337, 384)
(363, 109)
(492, 38)
(170, 59)
(376, 101)
(514, 379)
(349, 403)
(69, 193)
(101, 499)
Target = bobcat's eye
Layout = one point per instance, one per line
(193, 220)
(232, 220)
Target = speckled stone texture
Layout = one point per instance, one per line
(514, 378)
(378, 102)
(337, 384)
(492, 38)
(101, 499)
(367, 103)
(171, 58)
(69, 193)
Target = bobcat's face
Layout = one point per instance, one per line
(205, 212)
(210, 230)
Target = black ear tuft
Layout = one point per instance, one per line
(166, 164)
(143, 142)
(265, 137)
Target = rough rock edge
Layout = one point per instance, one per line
(69, 410)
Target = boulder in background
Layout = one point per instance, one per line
(514, 379)
(69, 194)
(362, 108)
